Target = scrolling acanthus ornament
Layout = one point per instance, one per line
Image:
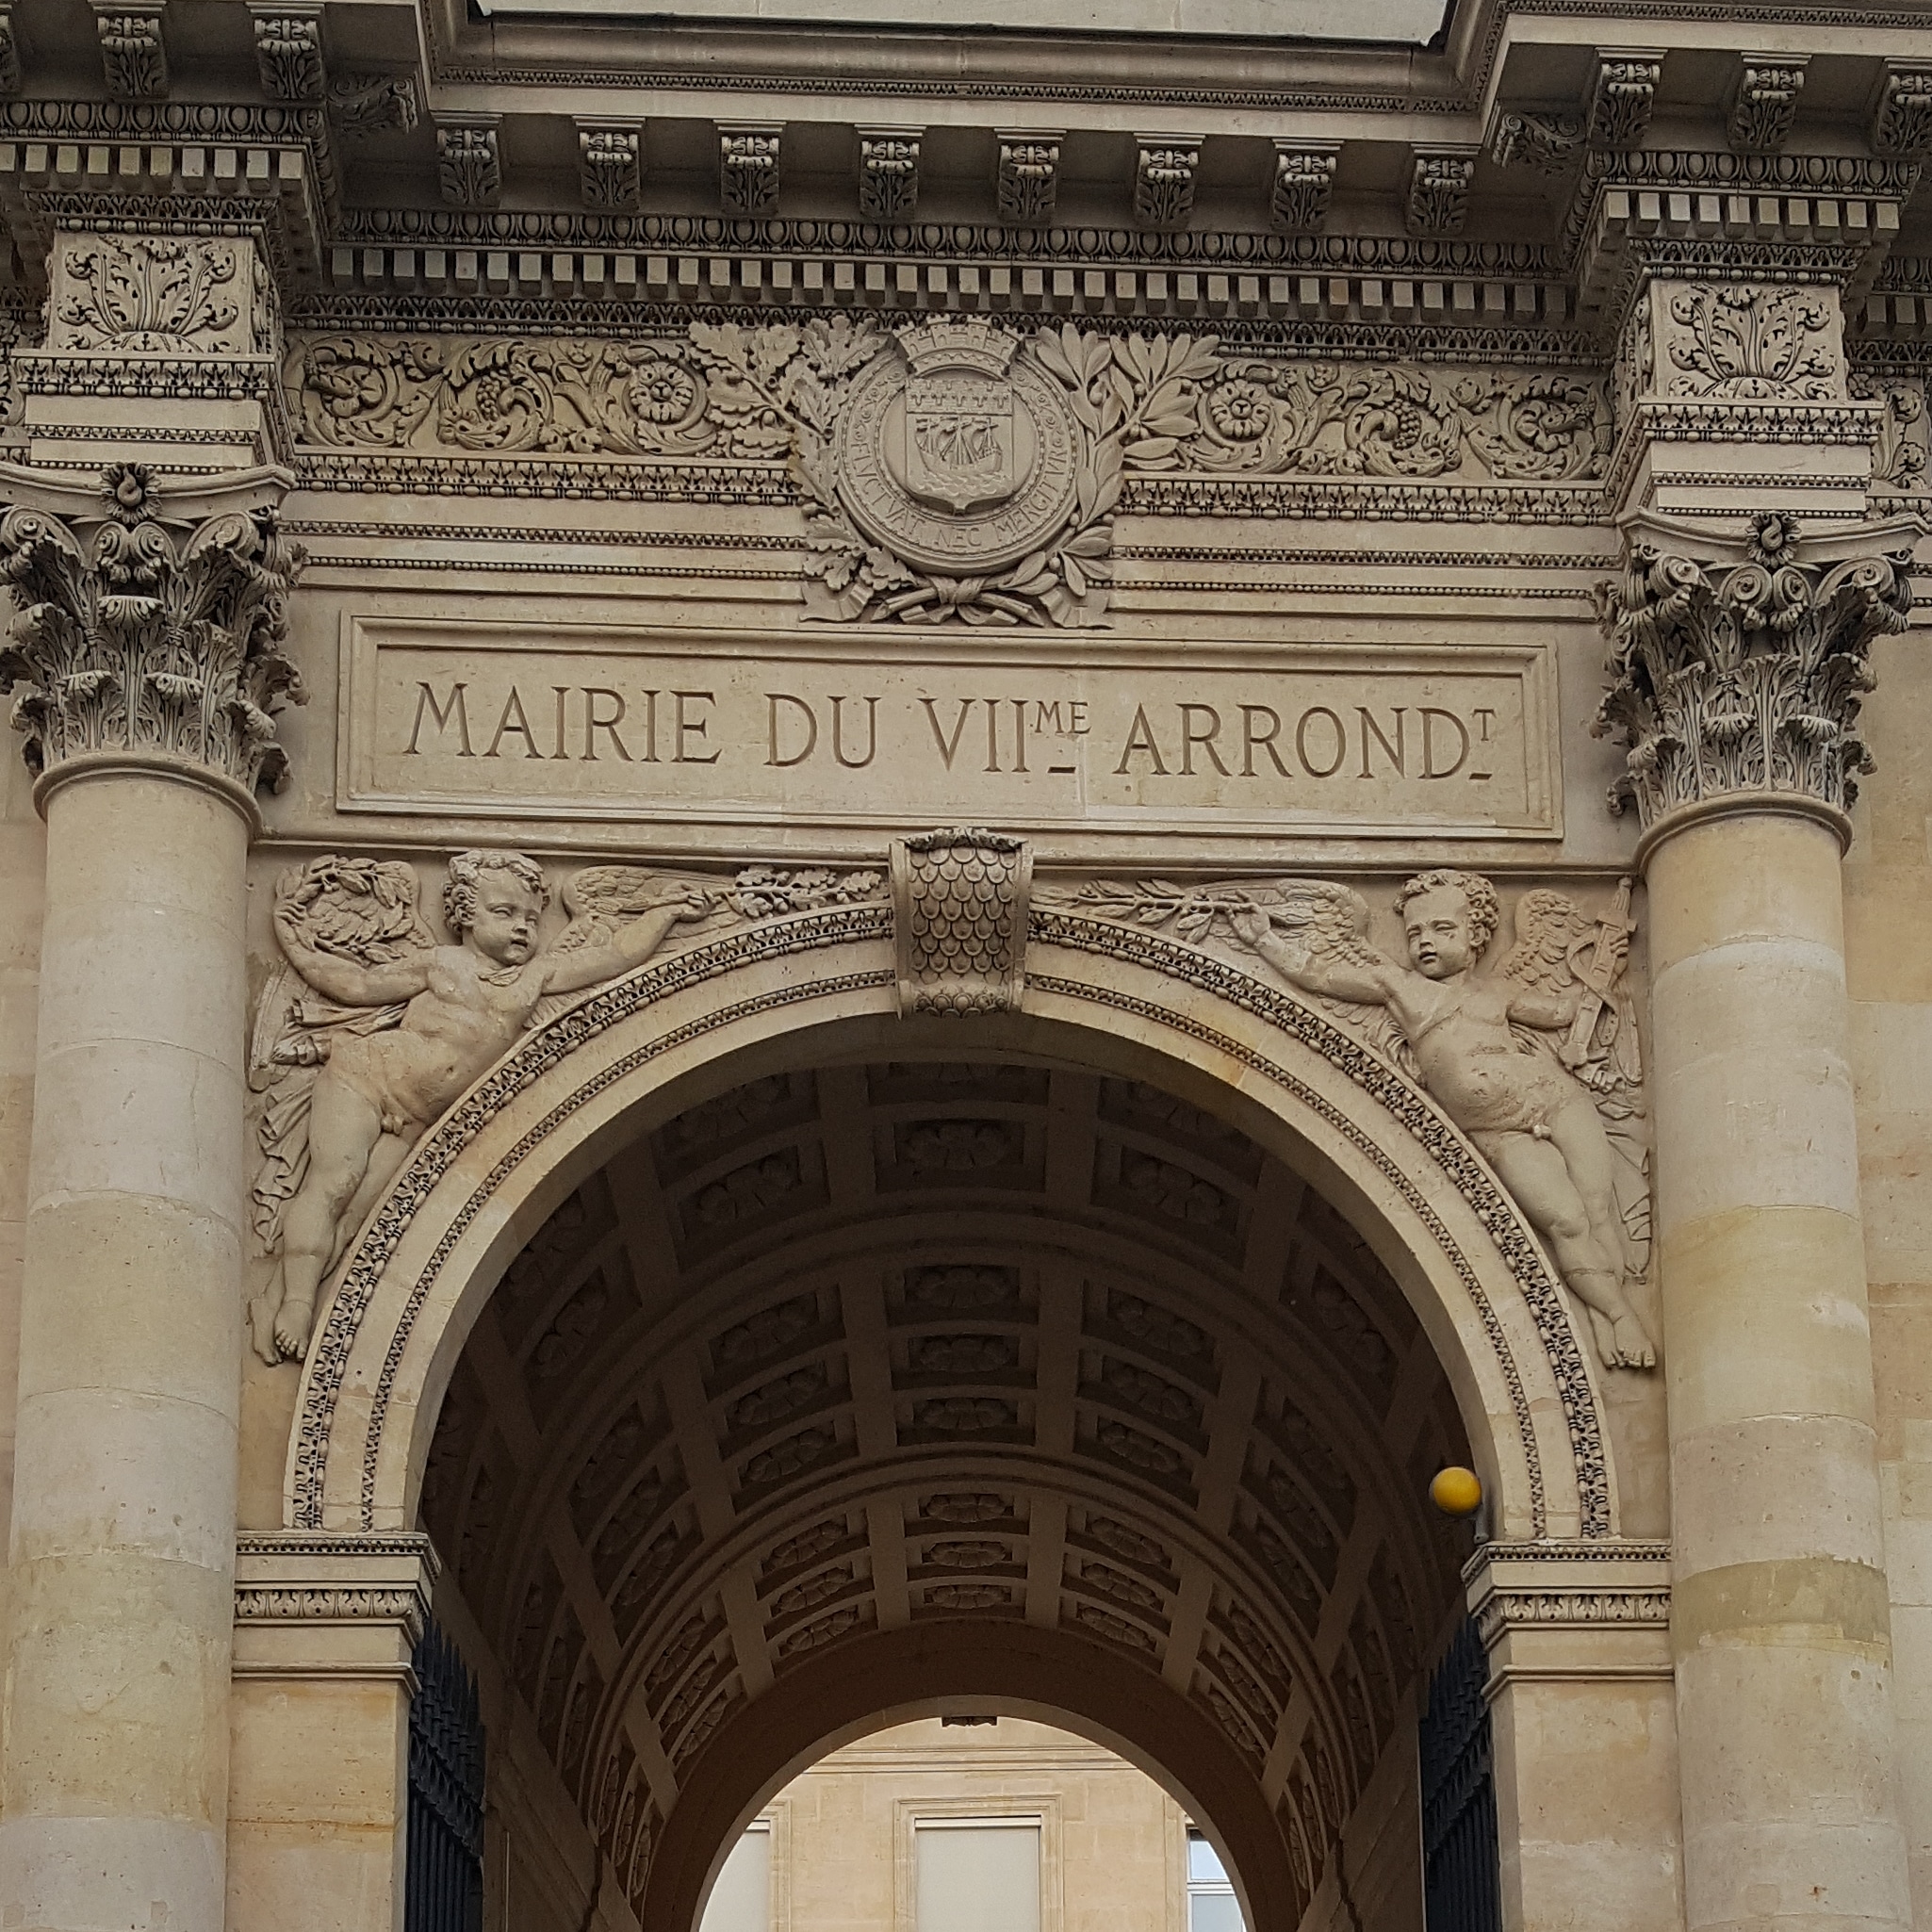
(132, 639)
(1750, 344)
(151, 294)
(1172, 405)
(1743, 667)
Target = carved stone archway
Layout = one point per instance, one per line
(811, 1000)
(1097, 992)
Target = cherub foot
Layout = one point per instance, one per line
(1632, 1346)
(292, 1326)
(261, 1329)
(1603, 1333)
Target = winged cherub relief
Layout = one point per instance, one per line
(372, 1029)
(1535, 1106)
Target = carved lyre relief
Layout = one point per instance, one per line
(371, 1029)
(1537, 1061)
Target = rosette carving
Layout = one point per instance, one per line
(1745, 672)
(132, 637)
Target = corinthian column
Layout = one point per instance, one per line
(1738, 668)
(147, 664)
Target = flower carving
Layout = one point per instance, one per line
(659, 392)
(1239, 411)
(1754, 345)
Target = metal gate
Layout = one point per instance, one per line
(1462, 1887)
(442, 1878)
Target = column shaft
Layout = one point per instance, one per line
(116, 1744)
(1779, 1627)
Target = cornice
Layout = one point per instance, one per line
(1341, 333)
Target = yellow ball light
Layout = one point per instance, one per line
(1456, 1492)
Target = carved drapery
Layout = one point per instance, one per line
(1744, 671)
(959, 899)
(131, 636)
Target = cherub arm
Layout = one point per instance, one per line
(634, 945)
(347, 981)
(1546, 1010)
(1369, 981)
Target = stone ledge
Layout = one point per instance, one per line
(311, 1606)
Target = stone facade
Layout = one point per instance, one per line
(856, 864)
(839, 1848)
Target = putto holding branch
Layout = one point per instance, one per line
(1529, 1113)
(1536, 1062)
(372, 1030)
(432, 1018)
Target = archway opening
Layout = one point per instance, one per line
(973, 1820)
(862, 1390)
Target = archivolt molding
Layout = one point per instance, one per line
(341, 1360)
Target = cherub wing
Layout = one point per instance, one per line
(1548, 927)
(601, 898)
(362, 909)
(1331, 921)
(1555, 943)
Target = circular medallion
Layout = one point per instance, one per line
(956, 456)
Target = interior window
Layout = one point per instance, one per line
(1211, 1902)
(741, 1899)
(977, 1875)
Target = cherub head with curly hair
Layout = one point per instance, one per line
(1449, 917)
(493, 900)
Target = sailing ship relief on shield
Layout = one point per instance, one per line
(961, 447)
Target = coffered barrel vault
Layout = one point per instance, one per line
(994, 1341)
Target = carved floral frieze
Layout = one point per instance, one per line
(1746, 672)
(1097, 411)
(135, 636)
(158, 294)
(1191, 403)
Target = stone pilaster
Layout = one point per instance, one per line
(146, 662)
(324, 1628)
(1740, 655)
(1583, 1732)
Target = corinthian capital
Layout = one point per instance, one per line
(1740, 667)
(147, 625)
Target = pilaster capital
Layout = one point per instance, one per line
(1562, 1611)
(1738, 664)
(150, 624)
(308, 1605)
(161, 344)
(1731, 396)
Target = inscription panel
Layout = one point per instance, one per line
(1102, 746)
